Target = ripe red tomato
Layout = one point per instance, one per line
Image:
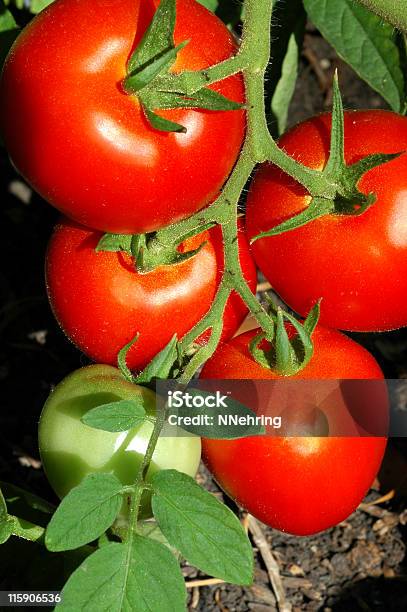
(301, 485)
(85, 145)
(357, 264)
(101, 302)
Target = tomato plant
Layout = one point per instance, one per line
(102, 302)
(297, 484)
(357, 264)
(144, 122)
(70, 449)
(114, 171)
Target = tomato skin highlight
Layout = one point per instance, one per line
(85, 145)
(101, 302)
(300, 485)
(356, 264)
(70, 450)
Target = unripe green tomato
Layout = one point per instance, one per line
(70, 449)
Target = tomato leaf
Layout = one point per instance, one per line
(161, 364)
(122, 415)
(114, 243)
(365, 42)
(142, 576)
(228, 423)
(85, 513)
(26, 505)
(205, 531)
(6, 526)
(8, 32)
(287, 34)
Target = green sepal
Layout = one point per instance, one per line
(336, 162)
(348, 200)
(148, 74)
(137, 244)
(355, 171)
(318, 207)
(141, 77)
(287, 355)
(159, 367)
(158, 38)
(114, 243)
(160, 123)
(122, 360)
(207, 99)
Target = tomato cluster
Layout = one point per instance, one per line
(86, 146)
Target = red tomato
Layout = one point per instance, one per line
(84, 144)
(301, 485)
(357, 264)
(101, 302)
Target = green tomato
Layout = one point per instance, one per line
(70, 450)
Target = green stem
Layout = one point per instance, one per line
(215, 320)
(190, 81)
(161, 415)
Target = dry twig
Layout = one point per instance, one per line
(270, 563)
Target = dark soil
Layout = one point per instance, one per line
(358, 565)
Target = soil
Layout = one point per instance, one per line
(358, 565)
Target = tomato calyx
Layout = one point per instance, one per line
(346, 198)
(149, 76)
(291, 348)
(148, 251)
(161, 366)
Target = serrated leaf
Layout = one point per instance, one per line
(205, 531)
(150, 529)
(8, 32)
(365, 42)
(122, 415)
(85, 513)
(287, 34)
(118, 577)
(160, 366)
(114, 243)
